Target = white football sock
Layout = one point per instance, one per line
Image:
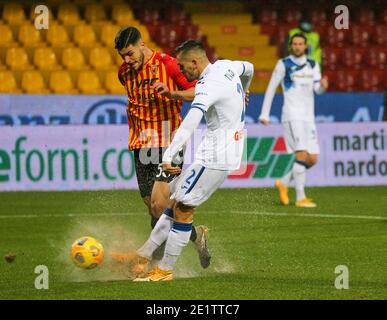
(157, 237)
(178, 238)
(287, 178)
(299, 173)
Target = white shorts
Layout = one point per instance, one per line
(301, 135)
(196, 184)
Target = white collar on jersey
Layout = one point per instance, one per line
(298, 60)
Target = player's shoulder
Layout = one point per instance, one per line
(311, 62)
(123, 67)
(164, 57)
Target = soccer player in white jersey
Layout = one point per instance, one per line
(219, 96)
(300, 78)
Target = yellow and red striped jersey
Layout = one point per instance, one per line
(152, 118)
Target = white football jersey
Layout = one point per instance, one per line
(300, 78)
(219, 93)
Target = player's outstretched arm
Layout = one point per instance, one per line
(185, 95)
(275, 80)
(187, 127)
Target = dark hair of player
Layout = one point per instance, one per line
(126, 36)
(189, 45)
(298, 35)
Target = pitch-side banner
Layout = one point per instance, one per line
(93, 157)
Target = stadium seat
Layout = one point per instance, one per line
(365, 16)
(382, 16)
(380, 35)
(6, 38)
(318, 17)
(8, 82)
(346, 80)
(377, 57)
(267, 16)
(108, 33)
(100, 58)
(68, 14)
(178, 17)
(112, 84)
(334, 37)
(73, 59)
(95, 12)
(352, 57)
(61, 83)
(150, 17)
(13, 13)
(332, 57)
(57, 36)
(122, 14)
(371, 80)
(45, 59)
(360, 35)
(32, 82)
(17, 59)
(89, 83)
(84, 36)
(291, 16)
(29, 36)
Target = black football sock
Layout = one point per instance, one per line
(193, 234)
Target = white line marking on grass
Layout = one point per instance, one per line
(124, 214)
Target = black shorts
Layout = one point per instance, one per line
(149, 168)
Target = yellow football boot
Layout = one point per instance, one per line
(283, 192)
(306, 203)
(156, 274)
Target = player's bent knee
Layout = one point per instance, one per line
(184, 213)
(312, 160)
(157, 208)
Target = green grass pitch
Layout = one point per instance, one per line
(261, 250)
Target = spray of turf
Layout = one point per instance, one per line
(122, 237)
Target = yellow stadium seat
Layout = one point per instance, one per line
(108, 34)
(95, 12)
(32, 82)
(122, 14)
(17, 59)
(73, 59)
(6, 38)
(61, 83)
(13, 13)
(112, 84)
(8, 82)
(45, 59)
(68, 14)
(89, 83)
(100, 58)
(29, 36)
(84, 36)
(57, 36)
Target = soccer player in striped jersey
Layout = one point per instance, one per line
(155, 88)
(300, 78)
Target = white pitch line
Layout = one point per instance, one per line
(124, 214)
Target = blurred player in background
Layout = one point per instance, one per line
(220, 96)
(155, 88)
(300, 78)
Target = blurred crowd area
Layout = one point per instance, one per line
(76, 53)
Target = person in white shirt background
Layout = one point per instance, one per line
(300, 79)
(220, 96)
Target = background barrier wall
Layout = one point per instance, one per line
(90, 157)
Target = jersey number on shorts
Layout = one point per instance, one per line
(188, 180)
(240, 90)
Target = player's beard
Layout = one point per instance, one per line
(140, 62)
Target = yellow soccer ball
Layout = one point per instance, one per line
(87, 253)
